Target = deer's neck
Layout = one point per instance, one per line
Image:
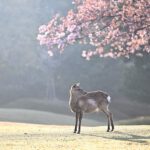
(72, 102)
(73, 98)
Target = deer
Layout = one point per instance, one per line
(81, 102)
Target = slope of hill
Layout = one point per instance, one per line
(40, 117)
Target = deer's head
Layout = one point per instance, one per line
(76, 90)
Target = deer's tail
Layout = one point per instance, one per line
(109, 99)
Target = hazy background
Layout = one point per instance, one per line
(35, 88)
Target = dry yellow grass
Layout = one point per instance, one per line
(15, 136)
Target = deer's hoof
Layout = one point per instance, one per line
(112, 130)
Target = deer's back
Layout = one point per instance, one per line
(92, 101)
(96, 95)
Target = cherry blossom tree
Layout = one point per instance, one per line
(114, 28)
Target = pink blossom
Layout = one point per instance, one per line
(71, 28)
(100, 50)
(50, 53)
(109, 55)
(42, 38)
(60, 35)
(84, 54)
(42, 28)
(139, 54)
(71, 37)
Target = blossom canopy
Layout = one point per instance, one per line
(114, 28)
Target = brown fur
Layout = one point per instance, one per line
(87, 102)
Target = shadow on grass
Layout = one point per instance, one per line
(122, 136)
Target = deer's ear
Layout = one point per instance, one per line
(77, 84)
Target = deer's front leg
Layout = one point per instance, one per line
(76, 122)
(80, 119)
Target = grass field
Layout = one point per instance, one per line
(16, 136)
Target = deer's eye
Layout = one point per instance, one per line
(74, 86)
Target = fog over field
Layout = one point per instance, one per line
(34, 88)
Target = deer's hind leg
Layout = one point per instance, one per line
(108, 124)
(109, 117)
(111, 120)
(106, 112)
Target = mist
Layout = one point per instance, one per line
(34, 87)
